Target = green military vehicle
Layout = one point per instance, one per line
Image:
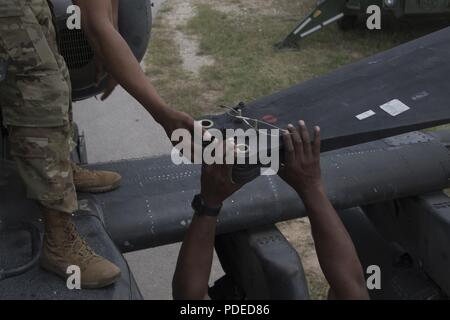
(347, 12)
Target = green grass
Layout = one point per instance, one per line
(247, 65)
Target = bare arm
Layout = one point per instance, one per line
(335, 250)
(190, 281)
(193, 269)
(98, 18)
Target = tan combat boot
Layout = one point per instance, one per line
(63, 247)
(94, 181)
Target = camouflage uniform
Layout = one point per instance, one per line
(35, 100)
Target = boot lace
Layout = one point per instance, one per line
(80, 170)
(76, 244)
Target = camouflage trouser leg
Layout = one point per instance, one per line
(43, 160)
(35, 101)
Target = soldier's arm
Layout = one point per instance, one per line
(97, 18)
(335, 250)
(190, 281)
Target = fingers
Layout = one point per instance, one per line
(316, 142)
(306, 138)
(110, 86)
(297, 141)
(228, 175)
(298, 144)
(106, 94)
(230, 150)
(219, 175)
(226, 152)
(187, 122)
(231, 154)
(282, 171)
(289, 151)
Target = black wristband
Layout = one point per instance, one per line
(201, 208)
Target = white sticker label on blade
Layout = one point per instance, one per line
(395, 107)
(365, 115)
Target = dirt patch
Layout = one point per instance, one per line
(173, 63)
(242, 7)
(188, 45)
